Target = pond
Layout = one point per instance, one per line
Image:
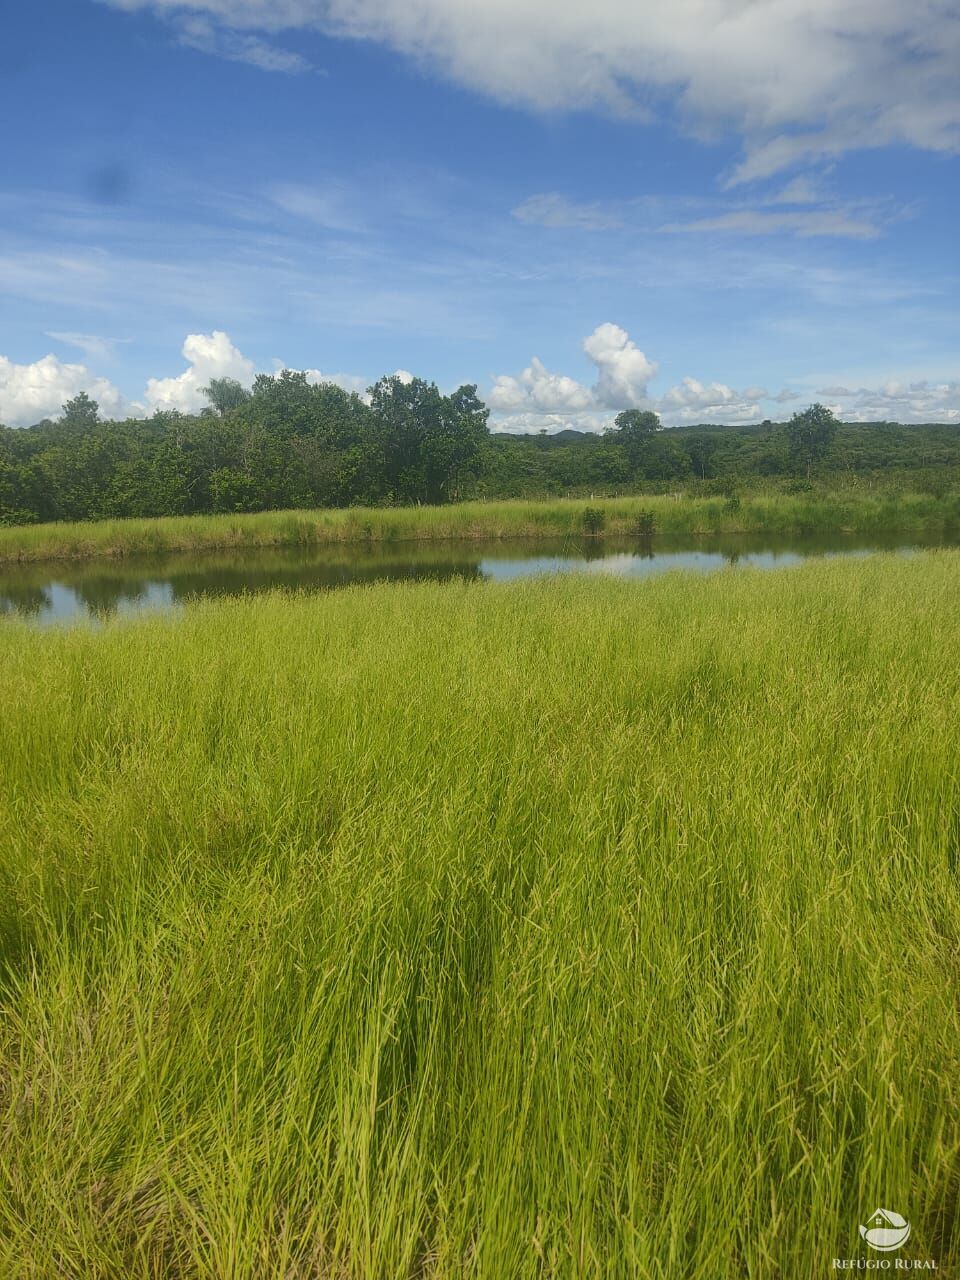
(58, 591)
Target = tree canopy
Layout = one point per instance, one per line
(290, 442)
(810, 435)
(225, 394)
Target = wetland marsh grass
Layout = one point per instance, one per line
(565, 928)
(854, 511)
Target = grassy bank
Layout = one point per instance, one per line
(854, 511)
(569, 928)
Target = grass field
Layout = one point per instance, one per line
(568, 928)
(855, 511)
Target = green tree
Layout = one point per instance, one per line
(809, 437)
(225, 394)
(634, 429)
(81, 412)
(232, 490)
(430, 442)
(458, 452)
(701, 451)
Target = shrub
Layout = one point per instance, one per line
(594, 520)
(644, 525)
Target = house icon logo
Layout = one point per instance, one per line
(885, 1230)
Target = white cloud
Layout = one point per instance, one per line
(345, 381)
(898, 402)
(555, 210)
(91, 344)
(693, 394)
(623, 372)
(327, 206)
(539, 389)
(211, 355)
(534, 423)
(352, 381)
(204, 35)
(796, 79)
(535, 400)
(30, 392)
(624, 369)
(693, 401)
(767, 215)
(802, 190)
(753, 222)
(538, 400)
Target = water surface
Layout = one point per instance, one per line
(57, 591)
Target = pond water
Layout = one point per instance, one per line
(56, 591)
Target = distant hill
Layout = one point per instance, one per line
(571, 436)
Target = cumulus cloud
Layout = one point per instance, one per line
(529, 423)
(897, 402)
(535, 400)
(31, 392)
(540, 400)
(345, 381)
(210, 355)
(623, 372)
(694, 401)
(797, 79)
(352, 381)
(539, 389)
(693, 394)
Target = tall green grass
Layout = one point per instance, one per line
(851, 511)
(571, 928)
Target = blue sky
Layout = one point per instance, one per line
(721, 209)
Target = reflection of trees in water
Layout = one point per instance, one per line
(589, 549)
(101, 588)
(642, 547)
(104, 589)
(28, 600)
(104, 595)
(316, 577)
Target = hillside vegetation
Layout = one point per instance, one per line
(293, 444)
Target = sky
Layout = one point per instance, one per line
(721, 210)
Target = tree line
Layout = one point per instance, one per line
(287, 443)
(290, 443)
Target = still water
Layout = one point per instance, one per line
(63, 592)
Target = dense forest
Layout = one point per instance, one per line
(290, 443)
